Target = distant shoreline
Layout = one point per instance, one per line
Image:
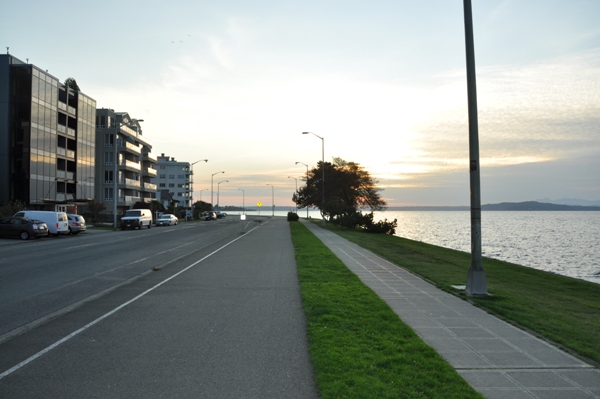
(503, 206)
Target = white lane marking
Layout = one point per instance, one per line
(104, 316)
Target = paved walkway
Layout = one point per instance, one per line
(496, 358)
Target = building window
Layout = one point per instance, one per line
(109, 140)
(162, 185)
(171, 185)
(180, 177)
(161, 176)
(108, 194)
(109, 158)
(171, 176)
(108, 176)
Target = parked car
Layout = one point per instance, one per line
(56, 222)
(167, 220)
(136, 218)
(22, 228)
(76, 224)
(220, 215)
(210, 216)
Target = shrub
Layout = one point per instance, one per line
(292, 217)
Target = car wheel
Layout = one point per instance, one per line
(150, 225)
(70, 232)
(24, 235)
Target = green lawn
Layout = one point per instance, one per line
(561, 309)
(359, 347)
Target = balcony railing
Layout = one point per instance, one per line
(150, 186)
(150, 171)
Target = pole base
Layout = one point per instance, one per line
(476, 282)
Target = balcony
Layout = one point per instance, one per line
(150, 172)
(136, 149)
(149, 187)
(130, 183)
(148, 156)
(135, 166)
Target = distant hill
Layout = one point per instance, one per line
(503, 206)
(570, 201)
(536, 206)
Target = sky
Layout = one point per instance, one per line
(382, 82)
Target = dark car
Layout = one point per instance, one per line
(22, 228)
(210, 216)
(220, 215)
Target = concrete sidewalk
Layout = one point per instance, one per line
(496, 358)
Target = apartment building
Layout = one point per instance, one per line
(174, 182)
(126, 165)
(47, 138)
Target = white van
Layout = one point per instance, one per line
(58, 222)
(136, 218)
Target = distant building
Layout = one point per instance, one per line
(47, 138)
(173, 181)
(135, 164)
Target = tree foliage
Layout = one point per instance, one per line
(95, 208)
(348, 186)
(11, 207)
(199, 208)
(72, 84)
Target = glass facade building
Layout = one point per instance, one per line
(47, 138)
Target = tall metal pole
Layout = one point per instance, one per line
(323, 168)
(272, 199)
(306, 182)
(194, 163)
(115, 173)
(290, 177)
(476, 280)
(211, 187)
(219, 190)
(243, 201)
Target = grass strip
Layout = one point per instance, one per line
(561, 309)
(359, 347)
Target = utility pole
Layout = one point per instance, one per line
(476, 280)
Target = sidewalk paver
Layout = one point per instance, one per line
(496, 358)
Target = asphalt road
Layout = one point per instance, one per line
(200, 311)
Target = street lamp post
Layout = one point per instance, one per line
(115, 170)
(323, 176)
(476, 279)
(192, 165)
(243, 201)
(272, 199)
(306, 182)
(290, 177)
(219, 190)
(212, 191)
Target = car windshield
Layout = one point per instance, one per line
(133, 213)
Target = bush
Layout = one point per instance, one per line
(11, 207)
(356, 219)
(292, 217)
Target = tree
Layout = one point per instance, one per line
(348, 186)
(12, 207)
(72, 84)
(199, 208)
(95, 208)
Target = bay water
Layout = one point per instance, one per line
(561, 242)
